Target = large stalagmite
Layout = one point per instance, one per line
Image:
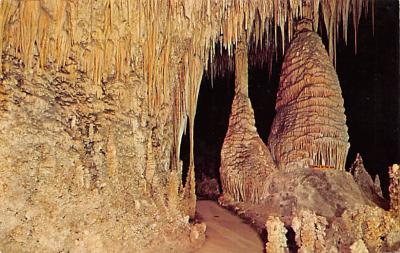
(245, 160)
(309, 128)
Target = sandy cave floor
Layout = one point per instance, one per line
(225, 231)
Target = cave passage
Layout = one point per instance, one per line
(226, 232)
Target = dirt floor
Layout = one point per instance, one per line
(226, 232)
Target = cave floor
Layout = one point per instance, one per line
(225, 231)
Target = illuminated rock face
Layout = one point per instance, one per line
(245, 160)
(277, 241)
(309, 128)
(394, 187)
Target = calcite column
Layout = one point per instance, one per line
(394, 187)
(309, 128)
(245, 160)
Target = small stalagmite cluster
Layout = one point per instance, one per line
(310, 232)
(394, 187)
(276, 236)
(309, 128)
(245, 159)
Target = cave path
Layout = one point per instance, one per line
(226, 233)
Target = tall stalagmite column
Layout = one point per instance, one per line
(309, 128)
(245, 160)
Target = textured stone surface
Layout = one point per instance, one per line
(94, 99)
(358, 247)
(245, 159)
(276, 236)
(207, 187)
(328, 193)
(78, 171)
(370, 224)
(310, 232)
(309, 128)
(369, 188)
(394, 188)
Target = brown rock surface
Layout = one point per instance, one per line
(309, 128)
(371, 189)
(207, 187)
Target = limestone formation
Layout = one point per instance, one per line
(369, 224)
(358, 247)
(369, 187)
(310, 232)
(309, 128)
(207, 187)
(277, 241)
(245, 160)
(94, 99)
(394, 187)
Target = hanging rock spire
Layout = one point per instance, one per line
(309, 128)
(245, 160)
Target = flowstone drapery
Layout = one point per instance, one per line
(309, 128)
(245, 159)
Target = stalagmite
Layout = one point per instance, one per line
(310, 232)
(394, 188)
(369, 188)
(309, 128)
(277, 241)
(245, 160)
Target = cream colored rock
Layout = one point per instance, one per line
(358, 247)
(310, 232)
(276, 236)
(394, 188)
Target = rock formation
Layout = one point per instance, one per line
(309, 128)
(369, 187)
(245, 159)
(207, 187)
(277, 241)
(358, 247)
(94, 99)
(372, 225)
(394, 188)
(310, 232)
